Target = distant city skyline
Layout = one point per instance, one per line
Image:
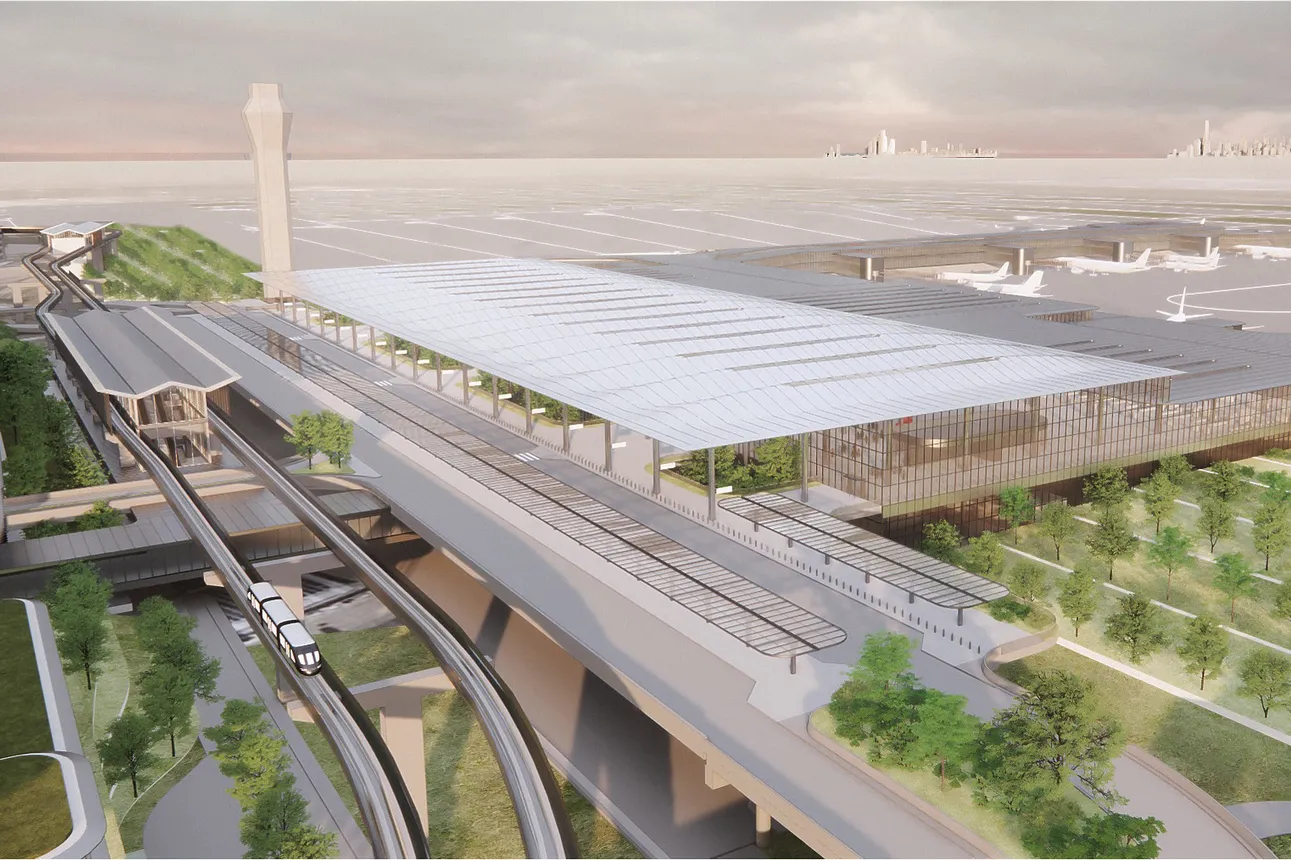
(644, 79)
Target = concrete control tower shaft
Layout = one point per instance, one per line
(269, 123)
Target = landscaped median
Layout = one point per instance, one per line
(34, 815)
(470, 809)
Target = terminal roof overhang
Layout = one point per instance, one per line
(692, 367)
(138, 353)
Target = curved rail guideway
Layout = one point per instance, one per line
(540, 810)
(383, 797)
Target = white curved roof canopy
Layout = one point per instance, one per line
(691, 367)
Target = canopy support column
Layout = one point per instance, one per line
(654, 470)
(712, 486)
(802, 465)
(564, 426)
(372, 343)
(528, 411)
(497, 404)
(439, 374)
(609, 446)
(416, 361)
(466, 386)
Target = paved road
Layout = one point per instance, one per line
(196, 818)
(240, 678)
(613, 634)
(1267, 818)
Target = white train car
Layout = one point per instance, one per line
(285, 629)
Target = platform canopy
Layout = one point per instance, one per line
(85, 228)
(138, 353)
(692, 367)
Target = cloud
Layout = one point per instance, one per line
(626, 79)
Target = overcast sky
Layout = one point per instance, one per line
(643, 79)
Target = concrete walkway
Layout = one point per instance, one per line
(197, 818)
(240, 678)
(1265, 818)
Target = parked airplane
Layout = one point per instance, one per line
(1029, 288)
(1080, 265)
(1178, 263)
(969, 278)
(1265, 252)
(1179, 315)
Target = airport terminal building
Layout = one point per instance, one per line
(922, 399)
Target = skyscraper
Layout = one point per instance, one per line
(1205, 140)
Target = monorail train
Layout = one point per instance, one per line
(293, 639)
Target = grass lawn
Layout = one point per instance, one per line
(469, 807)
(132, 823)
(324, 468)
(24, 725)
(1229, 762)
(1279, 845)
(998, 828)
(363, 656)
(33, 801)
(34, 817)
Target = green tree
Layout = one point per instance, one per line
(1136, 625)
(941, 540)
(1216, 520)
(304, 435)
(884, 661)
(101, 515)
(1271, 533)
(943, 732)
(1028, 581)
(168, 699)
(1177, 469)
(1224, 482)
(1112, 540)
(44, 529)
(1070, 833)
(78, 610)
(1158, 497)
(168, 636)
(1107, 489)
(1171, 553)
(126, 751)
(1078, 600)
(248, 750)
(1282, 600)
(1265, 676)
(1204, 647)
(777, 462)
(1017, 506)
(279, 820)
(985, 556)
(1055, 730)
(1234, 579)
(334, 437)
(878, 699)
(84, 467)
(1058, 523)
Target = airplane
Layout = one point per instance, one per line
(970, 278)
(1080, 265)
(1265, 252)
(1029, 288)
(1179, 316)
(1208, 263)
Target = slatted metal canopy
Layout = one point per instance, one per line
(935, 581)
(692, 367)
(757, 616)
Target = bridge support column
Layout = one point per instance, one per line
(762, 827)
(15, 294)
(286, 578)
(402, 730)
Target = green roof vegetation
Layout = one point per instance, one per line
(176, 264)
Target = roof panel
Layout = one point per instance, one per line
(756, 372)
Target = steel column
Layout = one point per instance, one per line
(802, 445)
(712, 486)
(609, 446)
(654, 445)
(466, 386)
(528, 411)
(564, 421)
(497, 404)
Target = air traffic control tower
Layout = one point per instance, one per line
(269, 123)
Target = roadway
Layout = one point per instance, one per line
(638, 653)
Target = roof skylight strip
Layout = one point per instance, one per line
(719, 335)
(765, 346)
(637, 307)
(847, 355)
(674, 326)
(894, 371)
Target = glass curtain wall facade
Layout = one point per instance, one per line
(952, 464)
